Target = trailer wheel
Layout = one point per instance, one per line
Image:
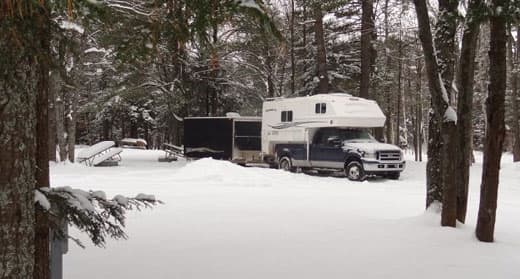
(285, 164)
(354, 171)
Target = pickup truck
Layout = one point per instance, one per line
(352, 150)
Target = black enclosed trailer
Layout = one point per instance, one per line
(229, 138)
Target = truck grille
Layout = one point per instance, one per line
(389, 155)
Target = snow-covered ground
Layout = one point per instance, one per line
(221, 220)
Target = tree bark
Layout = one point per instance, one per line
(367, 48)
(321, 56)
(496, 127)
(18, 91)
(465, 79)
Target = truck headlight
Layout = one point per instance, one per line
(369, 155)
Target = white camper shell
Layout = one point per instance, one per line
(312, 132)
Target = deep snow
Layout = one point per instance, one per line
(221, 220)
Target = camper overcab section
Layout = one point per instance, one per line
(328, 132)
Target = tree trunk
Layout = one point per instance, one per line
(367, 48)
(60, 126)
(214, 72)
(496, 127)
(42, 233)
(438, 181)
(465, 79)
(53, 88)
(389, 127)
(397, 134)
(321, 56)
(18, 91)
(446, 28)
(419, 110)
(293, 59)
(514, 100)
(71, 126)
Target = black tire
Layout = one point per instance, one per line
(393, 175)
(354, 171)
(273, 166)
(285, 163)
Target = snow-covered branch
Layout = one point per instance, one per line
(91, 212)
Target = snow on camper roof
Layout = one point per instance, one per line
(239, 118)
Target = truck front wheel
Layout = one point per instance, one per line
(285, 164)
(354, 171)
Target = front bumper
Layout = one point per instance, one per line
(383, 166)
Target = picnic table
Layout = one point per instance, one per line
(172, 152)
(100, 154)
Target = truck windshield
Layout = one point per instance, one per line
(355, 135)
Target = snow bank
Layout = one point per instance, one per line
(224, 173)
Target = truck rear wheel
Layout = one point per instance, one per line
(354, 171)
(285, 164)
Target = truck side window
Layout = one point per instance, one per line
(323, 136)
(320, 108)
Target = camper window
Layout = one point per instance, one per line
(287, 116)
(320, 108)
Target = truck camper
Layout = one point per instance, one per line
(328, 132)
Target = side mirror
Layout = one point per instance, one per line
(333, 141)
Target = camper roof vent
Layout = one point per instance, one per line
(232, 114)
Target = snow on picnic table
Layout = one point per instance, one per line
(221, 220)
